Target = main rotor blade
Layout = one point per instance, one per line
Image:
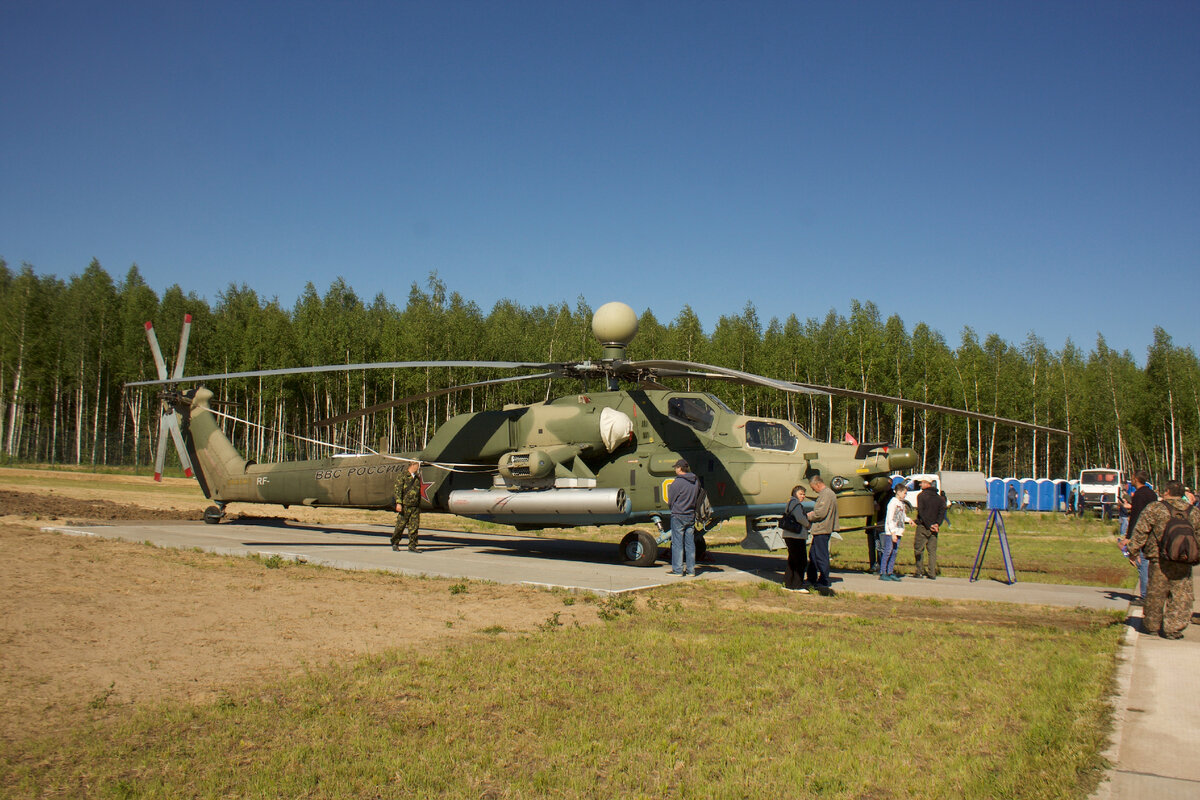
(691, 369)
(412, 398)
(667, 368)
(221, 376)
(959, 412)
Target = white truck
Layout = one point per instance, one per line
(1100, 489)
(969, 488)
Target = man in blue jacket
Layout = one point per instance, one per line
(682, 496)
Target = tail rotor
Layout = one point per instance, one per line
(168, 424)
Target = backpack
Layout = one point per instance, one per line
(788, 522)
(1178, 542)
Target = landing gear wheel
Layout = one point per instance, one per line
(213, 515)
(639, 549)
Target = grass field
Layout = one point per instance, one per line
(1047, 547)
(689, 691)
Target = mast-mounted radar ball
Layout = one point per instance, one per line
(614, 324)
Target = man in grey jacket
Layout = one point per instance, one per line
(682, 497)
(824, 519)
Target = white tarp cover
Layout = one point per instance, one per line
(615, 427)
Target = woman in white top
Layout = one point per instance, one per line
(895, 519)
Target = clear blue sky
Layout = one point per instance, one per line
(1015, 166)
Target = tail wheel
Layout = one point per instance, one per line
(213, 515)
(639, 549)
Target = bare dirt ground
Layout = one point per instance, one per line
(89, 625)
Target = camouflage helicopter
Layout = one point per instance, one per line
(592, 458)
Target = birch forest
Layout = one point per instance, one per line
(68, 347)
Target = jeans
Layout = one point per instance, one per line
(1143, 575)
(888, 562)
(683, 543)
(818, 558)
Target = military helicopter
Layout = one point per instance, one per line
(591, 458)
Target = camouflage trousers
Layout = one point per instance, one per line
(1169, 598)
(410, 520)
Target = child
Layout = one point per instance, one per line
(896, 519)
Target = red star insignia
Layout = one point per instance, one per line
(424, 494)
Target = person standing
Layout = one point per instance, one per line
(896, 519)
(1170, 596)
(682, 496)
(795, 527)
(1143, 496)
(876, 533)
(824, 519)
(930, 510)
(407, 492)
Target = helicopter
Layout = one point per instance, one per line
(591, 458)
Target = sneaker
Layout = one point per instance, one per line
(931, 577)
(1137, 601)
(673, 572)
(894, 577)
(885, 577)
(690, 574)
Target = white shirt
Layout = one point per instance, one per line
(896, 518)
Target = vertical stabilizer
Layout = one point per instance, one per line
(216, 460)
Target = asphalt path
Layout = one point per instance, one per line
(545, 561)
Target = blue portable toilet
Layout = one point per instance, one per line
(1012, 486)
(995, 493)
(1045, 494)
(1029, 494)
(1062, 494)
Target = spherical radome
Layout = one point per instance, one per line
(614, 323)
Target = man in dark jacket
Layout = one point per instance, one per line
(930, 509)
(682, 497)
(1143, 496)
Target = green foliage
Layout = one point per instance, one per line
(67, 347)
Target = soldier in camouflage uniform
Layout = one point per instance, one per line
(407, 492)
(1170, 582)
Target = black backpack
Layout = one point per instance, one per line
(788, 522)
(1178, 542)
